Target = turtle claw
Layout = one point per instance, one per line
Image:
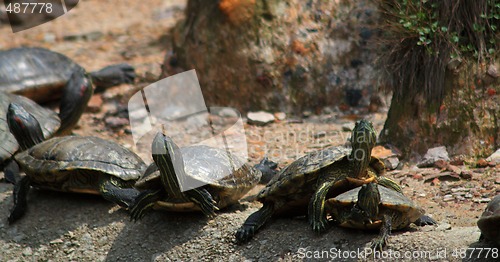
(244, 234)
(378, 243)
(209, 208)
(204, 200)
(319, 226)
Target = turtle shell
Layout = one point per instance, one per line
(77, 163)
(224, 175)
(489, 222)
(294, 178)
(390, 200)
(48, 119)
(34, 72)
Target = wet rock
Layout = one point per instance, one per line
(433, 155)
(495, 158)
(260, 118)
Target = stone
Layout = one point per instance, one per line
(348, 127)
(481, 163)
(493, 71)
(280, 116)
(443, 227)
(116, 122)
(391, 163)
(27, 252)
(433, 155)
(495, 157)
(95, 104)
(260, 118)
(228, 112)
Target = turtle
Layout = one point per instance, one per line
(41, 74)
(76, 95)
(373, 207)
(80, 164)
(219, 178)
(489, 222)
(303, 186)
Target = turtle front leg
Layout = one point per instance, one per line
(316, 212)
(381, 241)
(113, 192)
(11, 172)
(144, 202)
(254, 222)
(204, 200)
(20, 194)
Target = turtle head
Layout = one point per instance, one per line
(168, 157)
(369, 200)
(24, 126)
(76, 95)
(363, 140)
(363, 135)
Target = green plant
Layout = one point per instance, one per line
(421, 37)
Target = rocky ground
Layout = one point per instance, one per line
(70, 227)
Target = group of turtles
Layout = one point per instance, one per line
(344, 184)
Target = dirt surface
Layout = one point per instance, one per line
(71, 227)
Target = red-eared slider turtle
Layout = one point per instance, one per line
(374, 207)
(76, 95)
(41, 74)
(313, 177)
(489, 223)
(200, 165)
(71, 164)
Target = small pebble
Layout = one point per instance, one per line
(433, 155)
(27, 252)
(494, 158)
(280, 116)
(348, 127)
(391, 163)
(95, 104)
(228, 112)
(260, 118)
(443, 227)
(481, 200)
(447, 198)
(116, 122)
(481, 163)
